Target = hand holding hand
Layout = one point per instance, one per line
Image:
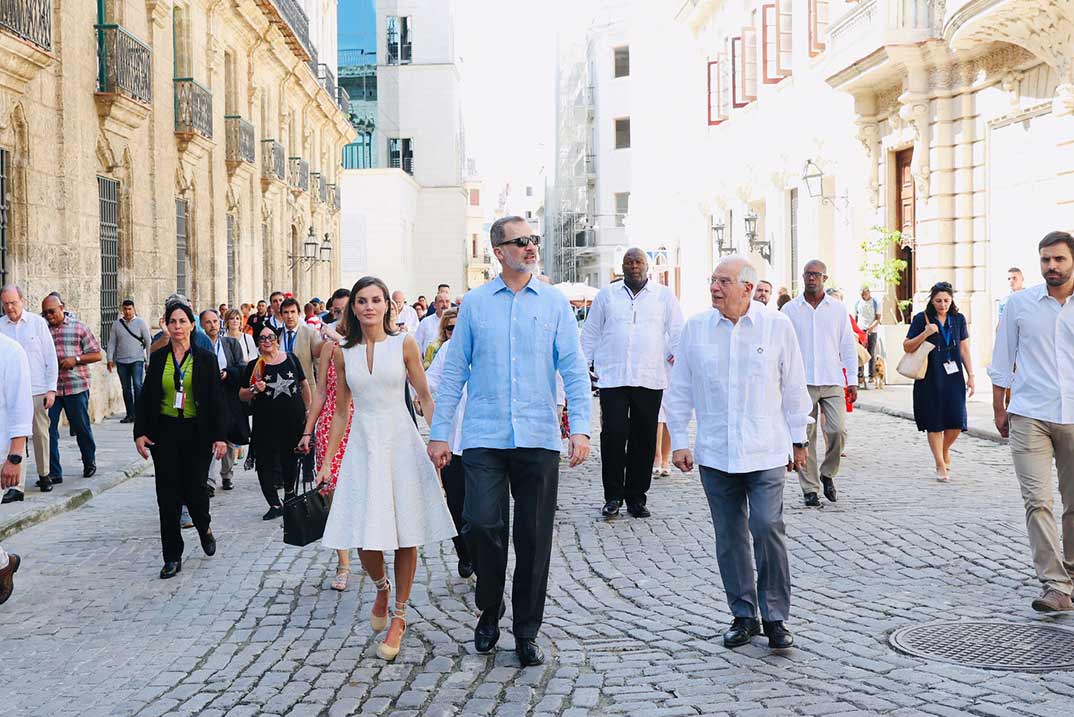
(439, 453)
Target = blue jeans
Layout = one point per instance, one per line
(76, 407)
(130, 377)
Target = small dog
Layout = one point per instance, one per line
(880, 371)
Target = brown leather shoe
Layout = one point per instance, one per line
(7, 583)
(1053, 601)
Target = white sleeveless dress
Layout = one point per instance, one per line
(388, 495)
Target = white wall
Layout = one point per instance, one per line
(323, 18)
(433, 33)
(612, 102)
(440, 240)
(378, 227)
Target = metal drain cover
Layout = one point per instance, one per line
(990, 645)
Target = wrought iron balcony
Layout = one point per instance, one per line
(292, 21)
(298, 174)
(317, 186)
(873, 25)
(29, 19)
(327, 80)
(407, 164)
(124, 64)
(273, 160)
(193, 108)
(239, 141)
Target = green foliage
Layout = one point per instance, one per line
(880, 264)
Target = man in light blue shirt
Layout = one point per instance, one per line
(511, 337)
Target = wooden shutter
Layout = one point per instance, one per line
(749, 53)
(725, 85)
(738, 73)
(818, 26)
(716, 109)
(784, 37)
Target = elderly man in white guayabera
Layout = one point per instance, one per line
(742, 355)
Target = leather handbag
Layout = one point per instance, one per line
(915, 364)
(304, 517)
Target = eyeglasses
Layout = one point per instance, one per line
(813, 274)
(522, 242)
(268, 339)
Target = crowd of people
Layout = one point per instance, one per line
(503, 377)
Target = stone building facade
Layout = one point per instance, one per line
(150, 146)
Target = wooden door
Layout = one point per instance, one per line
(905, 220)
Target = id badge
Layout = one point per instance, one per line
(180, 400)
(950, 367)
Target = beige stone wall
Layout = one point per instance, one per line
(61, 135)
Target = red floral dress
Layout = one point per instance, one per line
(324, 426)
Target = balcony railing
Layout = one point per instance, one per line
(193, 108)
(298, 174)
(872, 24)
(239, 138)
(317, 187)
(29, 19)
(124, 64)
(273, 160)
(407, 164)
(327, 80)
(292, 21)
(343, 98)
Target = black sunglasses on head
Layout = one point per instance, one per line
(522, 242)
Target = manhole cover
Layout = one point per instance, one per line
(990, 645)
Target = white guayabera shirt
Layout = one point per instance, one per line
(828, 343)
(746, 384)
(629, 337)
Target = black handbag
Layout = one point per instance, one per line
(304, 517)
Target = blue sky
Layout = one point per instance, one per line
(356, 25)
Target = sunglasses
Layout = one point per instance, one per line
(522, 242)
(266, 339)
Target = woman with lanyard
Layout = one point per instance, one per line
(940, 397)
(320, 417)
(181, 420)
(276, 387)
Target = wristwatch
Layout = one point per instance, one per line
(14, 458)
(803, 444)
(78, 359)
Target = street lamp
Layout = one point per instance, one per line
(308, 257)
(718, 231)
(761, 246)
(326, 249)
(814, 181)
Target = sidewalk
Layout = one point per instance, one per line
(117, 461)
(899, 401)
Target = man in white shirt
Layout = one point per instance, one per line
(740, 369)
(867, 314)
(32, 333)
(763, 292)
(16, 419)
(830, 358)
(407, 315)
(628, 337)
(429, 328)
(1016, 281)
(1037, 332)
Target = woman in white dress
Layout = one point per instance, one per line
(388, 495)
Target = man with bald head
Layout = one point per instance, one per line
(629, 339)
(407, 315)
(738, 357)
(830, 357)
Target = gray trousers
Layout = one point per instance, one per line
(745, 504)
(831, 402)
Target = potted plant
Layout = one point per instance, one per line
(882, 267)
(906, 309)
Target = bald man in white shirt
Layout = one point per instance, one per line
(741, 355)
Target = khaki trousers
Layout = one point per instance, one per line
(1034, 445)
(39, 439)
(831, 401)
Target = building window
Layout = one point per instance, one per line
(794, 241)
(622, 133)
(529, 214)
(182, 257)
(784, 37)
(401, 154)
(182, 59)
(739, 84)
(770, 63)
(473, 245)
(108, 229)
(399, 39)
(5, 222)
(818, 26)
(475, 197)
(622, 62)
(622, 207)
(359, 153)
(231, 293)
(749, 74)
(529, 191)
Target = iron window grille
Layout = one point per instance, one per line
(108, 226)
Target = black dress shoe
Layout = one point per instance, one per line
(56, 480)
(611, 508)
(740, 632)
(208, 544)
(829, 488)
(812, 500)
(45, 484)
(779, 637)
(210, 491)
(466, 568)
(638, 510)
(89, 470)
(228, 485)
(273, 512)
(487, 632)
(171, 569)
(127, 419)
(529, 653)
(12, 495)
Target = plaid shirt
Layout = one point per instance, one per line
(73, 338)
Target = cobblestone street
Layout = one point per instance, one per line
(633, 624)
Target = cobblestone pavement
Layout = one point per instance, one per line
(634, 615)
